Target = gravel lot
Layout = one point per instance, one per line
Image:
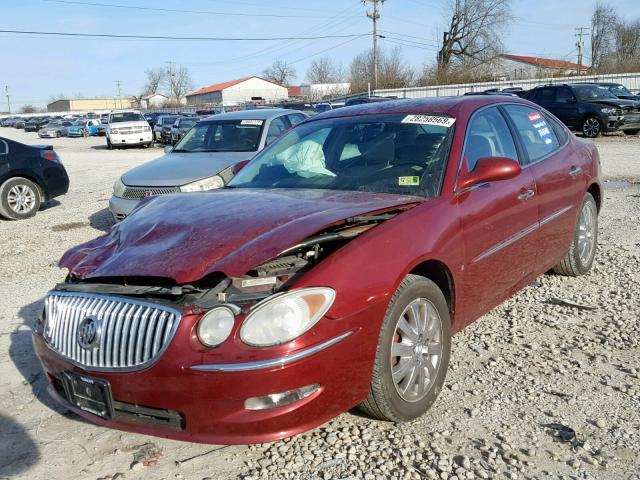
(528, 364)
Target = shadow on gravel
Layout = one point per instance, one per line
(101, 220)
(50, 204)
(99, 147)
(24, 358)
(18, 451)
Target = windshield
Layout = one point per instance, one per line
(401, 154)
(168, 120)
(79, 123)
(222, 136)
(187, 122)
(592, 92)
(619, 90)
(53, 124)
(126, 117)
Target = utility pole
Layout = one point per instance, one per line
(374, 16)
(119, 93)
(170, 71)
(580, 45)
(6, 91)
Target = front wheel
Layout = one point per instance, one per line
(591, 127)
(19, 198)
(413, 352)
(582, 251)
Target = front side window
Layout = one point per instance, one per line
(586, 93)
(222, 136)
(398, 154)
(488, 136)
(537, 136)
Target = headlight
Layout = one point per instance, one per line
(609, 111)
(146, 129)
(215, 326)
(283, 318)
(113, 130)
(119, 188)
(203, 185)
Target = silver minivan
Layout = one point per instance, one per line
(204, 158)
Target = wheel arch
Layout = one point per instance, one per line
(440, 274)
(29, 176)
(596, 192)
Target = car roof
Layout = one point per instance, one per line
(431, 105)
(257, 114)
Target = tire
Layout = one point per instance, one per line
(631, 132)
(386, 400)
(20, 198)
(85, 133)
(109, 144)
(591, 127)
(58, 134)
(577, 261)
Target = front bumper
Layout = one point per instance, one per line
(47, 134)
(210, 404)
(142, 138)
(121, 207)
(612, 123)
(631, 122)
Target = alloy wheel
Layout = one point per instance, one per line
(21, 199)
(416, 350)
(591, 127)
(586, 233)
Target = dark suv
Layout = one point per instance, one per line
(619, 91)
(588, 108)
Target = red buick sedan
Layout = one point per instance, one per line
(329, 273)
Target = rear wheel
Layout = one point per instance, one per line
(19, 198)
(591, 127)
(582, 251)
(413, 352)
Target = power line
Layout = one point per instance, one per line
(165, 37)
(174, 10)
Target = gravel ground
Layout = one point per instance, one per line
(517, 375)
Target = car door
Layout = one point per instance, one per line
(565, 107)
(499, 219)
(559, 176)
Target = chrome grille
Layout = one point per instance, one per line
(132, 333)
(127, 130)
(138, 193)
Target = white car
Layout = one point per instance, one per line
(128, 129)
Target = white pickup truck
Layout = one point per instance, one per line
(128, 129)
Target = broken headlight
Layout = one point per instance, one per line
(282, 318)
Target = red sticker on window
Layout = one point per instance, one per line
(534, 117)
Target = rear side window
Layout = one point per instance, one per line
(564, 95)
(561, 133)
(4, 147)
(536, 134)
(488, 136)
(545, 95)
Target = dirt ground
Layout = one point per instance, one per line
(528, 364)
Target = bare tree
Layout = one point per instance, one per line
(178, 83)
(627, 38)
(280, 72)
(603, 26)
(155, 78)
(393, 71)
(325, 70)
(28, 109)
(474, 34)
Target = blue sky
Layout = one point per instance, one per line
(37, 68)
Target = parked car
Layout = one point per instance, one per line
(322, 107)
(204, 158)
(181, 126)
(55, 129)
(29, 176)
(84, 128)
(126, 129)
(9, 121)
(331, 273)
(151, 118)
(34, 124)
(362, 100)
(588, 108)
(162, 128)
(20, 123)
(619, 91)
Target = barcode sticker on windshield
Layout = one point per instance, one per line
(409, 181)
(251, 122)
(429, 120)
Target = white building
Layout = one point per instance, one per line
(153, 101)
(243, 90)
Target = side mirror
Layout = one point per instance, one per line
(168, 149)
(490, 169)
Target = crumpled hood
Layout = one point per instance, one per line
(615, 102)
(180, 168)
(187, 236)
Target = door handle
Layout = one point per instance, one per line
(527, 194)
(575, 171)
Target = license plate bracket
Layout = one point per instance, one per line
(90, 394)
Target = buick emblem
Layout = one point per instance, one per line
(89, 333)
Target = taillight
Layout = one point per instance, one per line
(50, 155)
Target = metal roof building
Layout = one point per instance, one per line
(242, 90)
